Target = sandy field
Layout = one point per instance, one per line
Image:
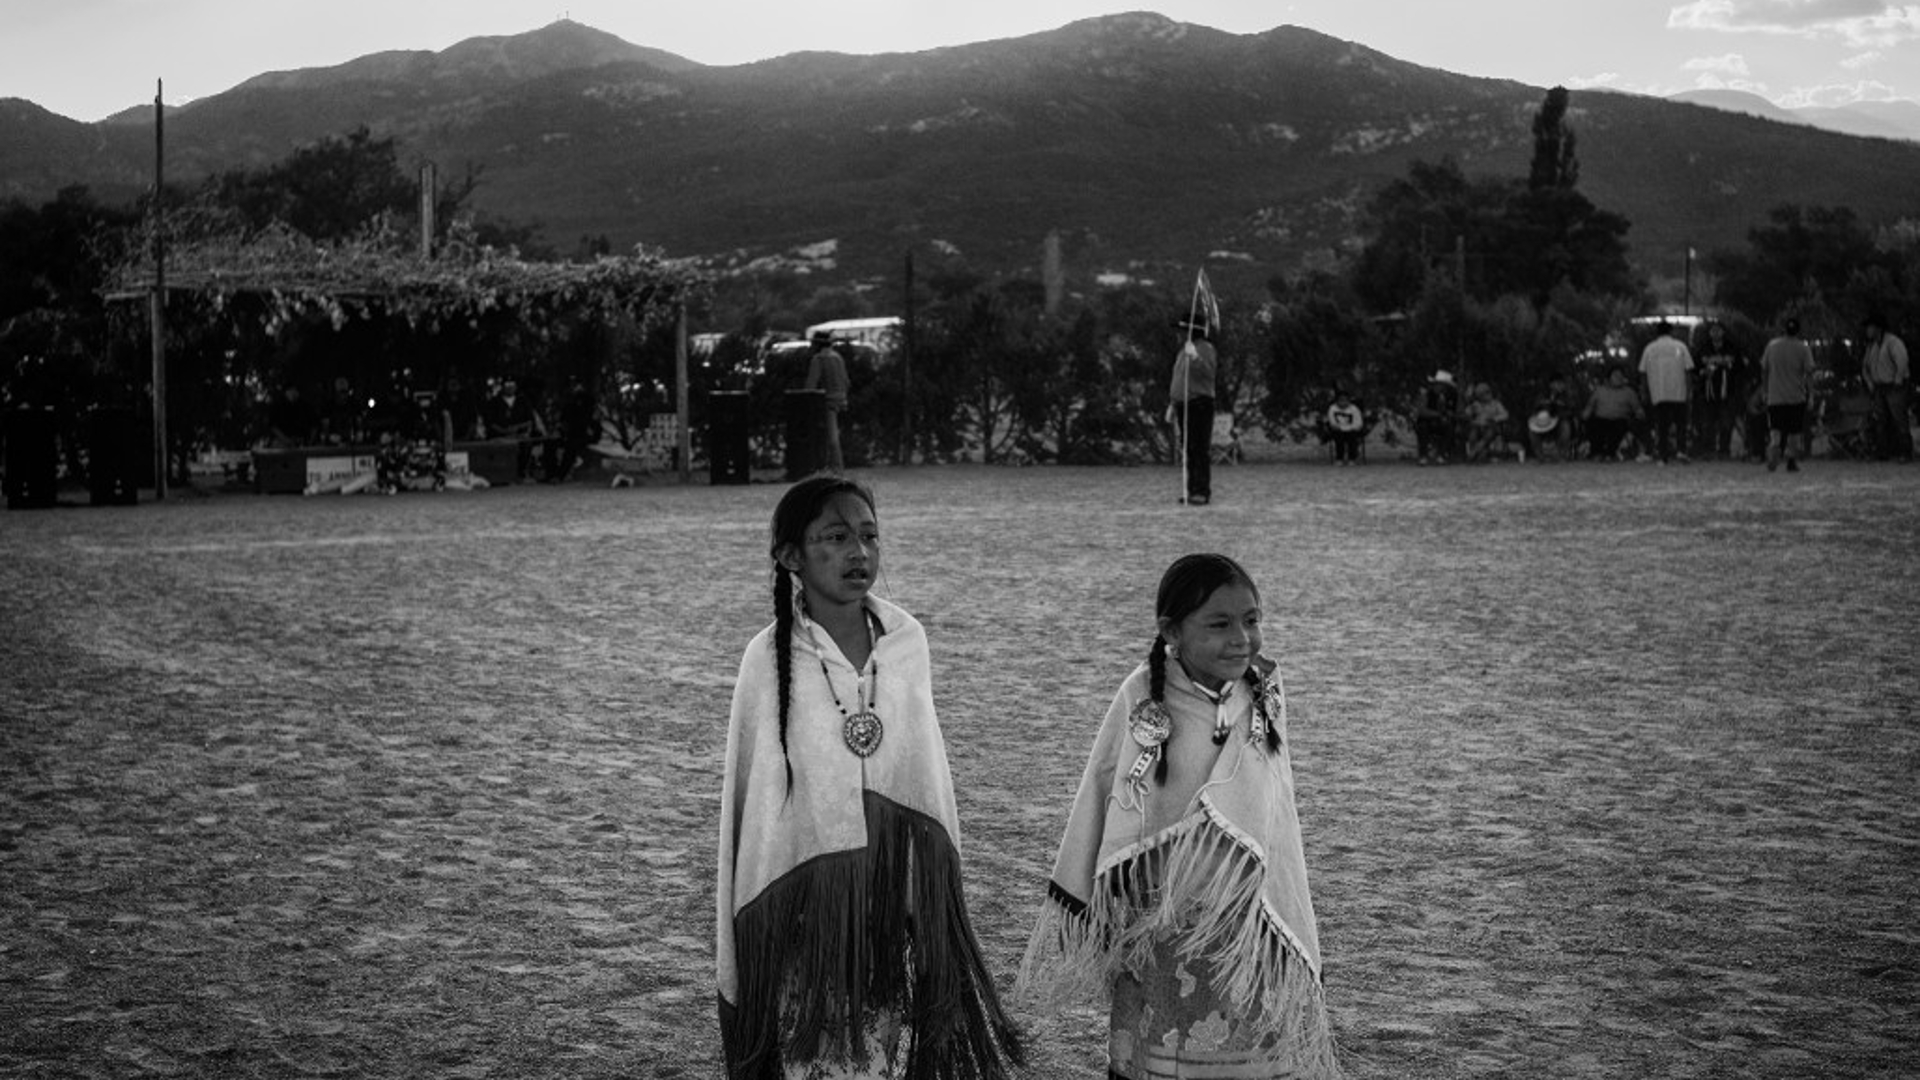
(1605, 771)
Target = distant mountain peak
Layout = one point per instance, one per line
(559, 46)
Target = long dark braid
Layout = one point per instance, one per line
(783, 652)
(1157, 689)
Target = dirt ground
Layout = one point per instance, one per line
(1605, 771)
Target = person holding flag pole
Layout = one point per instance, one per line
(1190, 396)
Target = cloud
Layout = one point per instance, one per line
(1864, 60)
(1730, 64)
(1834, 95)
(1710, 81)
(1860, 23)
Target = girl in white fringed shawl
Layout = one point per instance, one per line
(1180, 890)
(842, 945)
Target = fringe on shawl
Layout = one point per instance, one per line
(1201, 883)
(882, 927)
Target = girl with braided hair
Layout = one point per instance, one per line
(1179, 895)
(842, 942)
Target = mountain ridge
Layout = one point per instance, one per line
(1145, 143)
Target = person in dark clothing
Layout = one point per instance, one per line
(579, 417)
(290, 419)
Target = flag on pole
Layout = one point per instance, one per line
(1205, 304)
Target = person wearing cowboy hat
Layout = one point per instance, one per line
(1190, 398)
(1436, 413)
(1551, 424)
(827, 369)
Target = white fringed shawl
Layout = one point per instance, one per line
(842, 895)
(1222, 872)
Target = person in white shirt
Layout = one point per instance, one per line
(1666, 368)
(1887, 372)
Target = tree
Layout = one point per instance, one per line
(1554, 162)
(1804, 255)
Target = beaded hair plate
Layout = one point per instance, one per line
(1150, 724)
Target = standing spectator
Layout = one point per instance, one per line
(1190, 393)
(1787, 369)
(1435, 414)
(579, 421)
(1723, 376)
(1486, 420)
(1886, 369)
(1347, 426)
(1612, 412)
(1665, 368)
(827, 370)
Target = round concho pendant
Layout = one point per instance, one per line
(863, 733)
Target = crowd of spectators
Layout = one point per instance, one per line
(1674, 403)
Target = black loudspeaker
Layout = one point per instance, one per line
(114, 450)
(806, 419)
(32, 458)
(727, 430)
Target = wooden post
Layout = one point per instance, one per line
(157, 304)
(427, 193)
(906, 373)
(680, 377)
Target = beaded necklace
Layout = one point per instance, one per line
(862, 730)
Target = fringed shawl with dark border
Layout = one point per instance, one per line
(842, 896)
(1221, 871)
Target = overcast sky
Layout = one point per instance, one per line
(88, 58)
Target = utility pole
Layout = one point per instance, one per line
(680, 376)
(1686, 303)
(428, 183)
(157, 304)
(906, 372)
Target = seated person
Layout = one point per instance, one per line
(1613, 412)
(290, 420)
(1486, 420)
(1346, 428)
(1551, 425)
(511, 416)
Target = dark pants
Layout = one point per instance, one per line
(1346, 445)
(1669, 427)
(1716, 418)
(1433, 437)
(1603, 436)
(1893, 437)
(1195, 419)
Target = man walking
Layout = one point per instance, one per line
(1885, 368)
(1666, 370)
(1787, 370)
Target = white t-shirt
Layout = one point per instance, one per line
(1665, 363)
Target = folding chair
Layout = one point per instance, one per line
(1845, 423)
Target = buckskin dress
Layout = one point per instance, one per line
(1185, 903)
(842, 942)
